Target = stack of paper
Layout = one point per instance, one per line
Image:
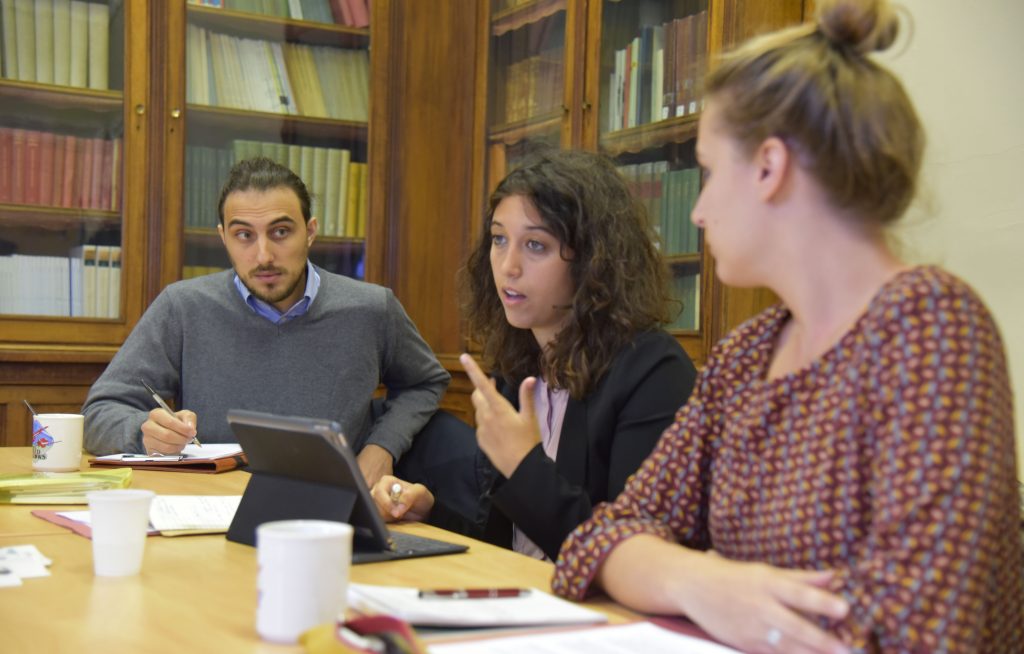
(59, 487)
(534, 608)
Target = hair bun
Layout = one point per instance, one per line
(862, 26)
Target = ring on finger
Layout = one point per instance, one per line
(773, 637)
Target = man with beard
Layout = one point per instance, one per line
(275, 334)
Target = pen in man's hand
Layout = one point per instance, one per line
(396, 493)
(163, 405)
(473, 593)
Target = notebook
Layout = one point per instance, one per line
(303, 468)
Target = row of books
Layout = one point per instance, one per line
(669, 196)
(64, 42)
(86, 283)
(60, 170)
(686, 289)
(657, 76)
(533, 86)
(284, 78)
(338, 186)
(351, 13)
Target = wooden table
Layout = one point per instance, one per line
(196, 593)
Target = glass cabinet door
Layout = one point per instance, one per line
(528, 60)
(651, 60)
(63, 219)
(289, 81)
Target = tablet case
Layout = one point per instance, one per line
(302, 468)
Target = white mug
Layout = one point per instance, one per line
(57, 441)
(303, 576)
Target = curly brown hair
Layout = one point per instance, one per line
(618, 273)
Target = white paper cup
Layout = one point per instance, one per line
(303, 576)
(119, 520)
(57, 442)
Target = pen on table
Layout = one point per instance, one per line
(473, 593)
(396, 493)
(163, 405)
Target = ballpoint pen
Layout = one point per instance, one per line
(163, 405)
(473, 593)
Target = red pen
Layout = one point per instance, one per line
(473, 593)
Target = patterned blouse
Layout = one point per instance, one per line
(890, 459)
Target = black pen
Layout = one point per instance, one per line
(163, 405)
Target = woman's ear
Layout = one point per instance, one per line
(773, 160)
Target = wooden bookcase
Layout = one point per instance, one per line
(606, 75)
(431, 141)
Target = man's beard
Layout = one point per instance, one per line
(272, 297)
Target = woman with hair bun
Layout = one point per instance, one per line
(842, 477)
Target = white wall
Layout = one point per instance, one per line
(963, 68)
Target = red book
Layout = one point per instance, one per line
(67, 193)
(6, 163)
(18, 167)
(96, 190)
(360, 13)
(58, 170)
(84, 157)
(45, 168)
(106, 174)
(115, 175)
(342, 15)
(33, 169)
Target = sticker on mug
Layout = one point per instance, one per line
(42, 441)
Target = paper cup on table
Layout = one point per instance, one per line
(119, 521)
(57, 442)
(303, 576)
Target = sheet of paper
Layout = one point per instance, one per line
(193, 512)
(187, 513)
(537, 608)
(207, 451)
(637, 637)
(19, 562)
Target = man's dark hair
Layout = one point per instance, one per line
(263, 174)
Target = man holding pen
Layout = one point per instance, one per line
(275, 334)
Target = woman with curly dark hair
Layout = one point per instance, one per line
(566, 295)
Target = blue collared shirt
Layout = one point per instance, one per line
(261, 308)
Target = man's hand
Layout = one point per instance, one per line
(375, 462)
(163, 433)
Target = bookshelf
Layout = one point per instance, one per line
(291, 87)
(623, 77)
(72, 113)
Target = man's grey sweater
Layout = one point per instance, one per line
(200, 344)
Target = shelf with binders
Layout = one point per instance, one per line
(666, 181)
(295, 90)
(652, 58)
(250, 63)
(63, 43)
